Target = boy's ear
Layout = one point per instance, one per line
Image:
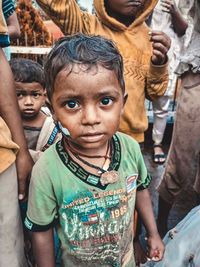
(124, 102)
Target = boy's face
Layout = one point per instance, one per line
(30, 98)
(127, 8)
(89, 104)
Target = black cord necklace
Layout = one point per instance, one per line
(108, 176)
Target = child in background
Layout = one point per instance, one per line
(87, 184)
(40, 130)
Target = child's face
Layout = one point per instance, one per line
(127, 8)
(89, 104)
(30, 98)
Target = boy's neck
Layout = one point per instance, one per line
(36, 121)
(126, 20)
(91, 160)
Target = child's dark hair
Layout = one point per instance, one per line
(27, 71)
(89, 50)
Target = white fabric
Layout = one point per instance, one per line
(160, 112)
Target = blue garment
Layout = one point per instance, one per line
(183, 243)
(8, 8)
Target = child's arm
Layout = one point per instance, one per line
(43, 246)
(8, 109)
(156, 247)
(179, 24)
(67, 15)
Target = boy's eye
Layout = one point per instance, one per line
(106, 101)
(36, 95)
(19, 95)
(71, 104)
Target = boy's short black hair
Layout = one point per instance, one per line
(27, 71)
(89, 50)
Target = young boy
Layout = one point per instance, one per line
(144, 53)
(40, 130)
(87, 184)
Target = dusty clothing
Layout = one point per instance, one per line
(185, 144)
(160, 113)
(162, 21)
(94, 222)
(8, 148)
(133, 43)
(11, 241)
(39, 139)
(11, 235)
(182, 243)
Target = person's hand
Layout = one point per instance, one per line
(139, 253)
(161, 44)
(155, 248)
(24, 164)
(168, 6)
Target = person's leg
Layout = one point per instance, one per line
(184, 146)
(160, 112)
(11, 233)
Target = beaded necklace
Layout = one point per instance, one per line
(107, 175)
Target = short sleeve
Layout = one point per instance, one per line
(42, 212)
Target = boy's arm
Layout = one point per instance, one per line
(43, 247)
(179, 24)
(10, 113)
(67, 15)
(144, 207)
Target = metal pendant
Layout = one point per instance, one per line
(109, 177)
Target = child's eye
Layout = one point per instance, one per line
(106, 101)
(36, 95)
(19, 95)
(71, 104)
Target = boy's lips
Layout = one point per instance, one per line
(28, 110)
(134, 3)
(92, 137)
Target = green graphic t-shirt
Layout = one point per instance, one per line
(94, 222)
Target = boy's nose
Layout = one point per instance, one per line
(90, 115)
(28, 100)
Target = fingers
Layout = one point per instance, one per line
(161, 44)
(23, 188)
(167, 5)
(24, 164)
(160, 37)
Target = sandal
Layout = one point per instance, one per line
(157, 157)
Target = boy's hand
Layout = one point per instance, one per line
(24, 164)
(155, 248)
(161, 44)
(168, 6)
